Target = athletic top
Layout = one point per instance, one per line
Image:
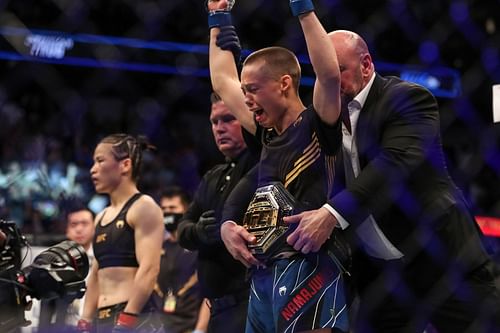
(114, 243)
(301, 158)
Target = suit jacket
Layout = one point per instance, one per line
(404, 182)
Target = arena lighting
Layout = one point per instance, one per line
(131, 54)
(442, 82)
(489, 225)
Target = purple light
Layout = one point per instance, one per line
(428, 52)
(489, 57)
(459, 12)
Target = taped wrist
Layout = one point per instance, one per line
(127, 319)
(219, 18)
(83, 325)
(300, 7)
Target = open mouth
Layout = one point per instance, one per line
(258, 114)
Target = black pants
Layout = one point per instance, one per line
(148, 321)
(399, 299)
(229, 313)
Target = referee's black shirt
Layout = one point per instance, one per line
(218, 273)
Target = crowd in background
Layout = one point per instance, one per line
(51, 116)
(42, 167)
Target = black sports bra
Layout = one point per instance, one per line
(114, 243)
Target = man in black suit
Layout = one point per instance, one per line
(418, 256)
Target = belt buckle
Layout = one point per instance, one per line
(264, 219)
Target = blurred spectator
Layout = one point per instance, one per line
(177, 289)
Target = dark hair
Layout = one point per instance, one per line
(73, 206)
(278, 61)
(176, 191)
(126, 146)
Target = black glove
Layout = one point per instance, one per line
(228, 40)
(207, 229)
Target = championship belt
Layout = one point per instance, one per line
(264, 219)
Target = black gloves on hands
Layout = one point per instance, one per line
(207, 228)
(228, 40)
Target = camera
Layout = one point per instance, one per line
(59, 271)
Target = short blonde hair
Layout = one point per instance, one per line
(277, 61)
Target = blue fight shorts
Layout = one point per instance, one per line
(298, 294)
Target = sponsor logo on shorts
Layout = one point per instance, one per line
(302, 296)
(103, 314)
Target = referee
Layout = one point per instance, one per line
(222, 278)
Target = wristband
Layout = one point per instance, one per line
(219, 18)
(300, 7)
(127, 319)
(83, 325)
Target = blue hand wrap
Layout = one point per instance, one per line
(299, 7)
(219, 18)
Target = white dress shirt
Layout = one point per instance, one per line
(375, 243)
